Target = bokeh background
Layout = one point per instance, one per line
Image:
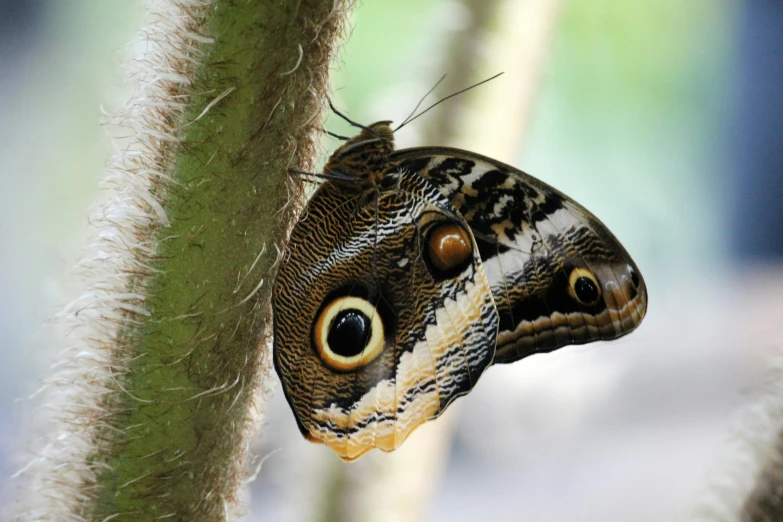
(665, 118)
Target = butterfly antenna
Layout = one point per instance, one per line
(350, 121)
(338, 136)
(337, 176)
(422, 101)
(444, 99)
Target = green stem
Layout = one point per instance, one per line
(229, 98)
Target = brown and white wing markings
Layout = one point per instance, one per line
(360, 251)
(558, 275)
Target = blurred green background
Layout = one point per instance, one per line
(634, 117)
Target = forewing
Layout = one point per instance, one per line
(539, 248)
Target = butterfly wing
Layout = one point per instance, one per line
(558, 275)
(378, 328)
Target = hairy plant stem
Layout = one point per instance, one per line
(158, 397)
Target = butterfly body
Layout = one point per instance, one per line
(411, 271)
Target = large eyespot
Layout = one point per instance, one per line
(583, 287)
(448, 250)
(348, 333)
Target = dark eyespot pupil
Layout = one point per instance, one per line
(349, 333)
(634, 277)
(585, 290)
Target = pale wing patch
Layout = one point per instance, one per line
(376, 420)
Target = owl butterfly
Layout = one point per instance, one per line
(411, 271)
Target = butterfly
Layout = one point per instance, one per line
(411, 271)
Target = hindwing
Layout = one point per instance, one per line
(383, 312)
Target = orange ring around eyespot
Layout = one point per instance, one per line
(371, 351)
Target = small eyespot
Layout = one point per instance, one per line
(634, 276)
(583, 287)
(348, 333)
(449, 250)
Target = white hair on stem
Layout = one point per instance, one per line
(60, 474)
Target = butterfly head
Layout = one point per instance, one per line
(365, 156)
